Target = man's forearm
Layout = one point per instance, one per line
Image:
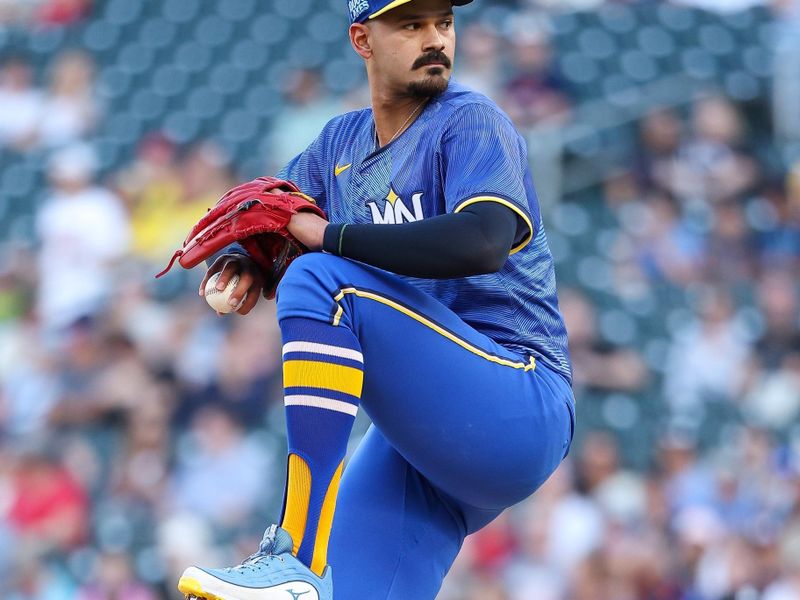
(471, 242)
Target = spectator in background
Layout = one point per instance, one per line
(71, 107)
(114, 579)
(730, 246)
(779, 305)
(712, 164)
(600, 366)
(535, 94)
(659, 139)
(62, 12)
(166, 197)
(708, 356)
(664, 248)
(43, 12)
(307, 108)
(248, 382)
(48, 508)
(34, 577)
(21, 105)
(773, 398)
(219, 454)
(140, 473)
(83, 231)
(480, 59)
(778, 229)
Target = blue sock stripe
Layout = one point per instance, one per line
(322, 392)
(296, 329)
(336, 360)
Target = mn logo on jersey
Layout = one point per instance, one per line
(395, 210)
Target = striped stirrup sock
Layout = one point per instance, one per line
(323, 372)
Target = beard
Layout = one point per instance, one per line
(434, 83)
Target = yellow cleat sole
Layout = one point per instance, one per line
(192, 589)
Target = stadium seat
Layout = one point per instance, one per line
(181, 126)
(157, 33)
(741, 85)
(226, 79)
(240, 126)
(122, 128)
(45, 42)
(123, 12)
(306, 53)
(327, 28)
(147, 105)
(675, 18)
(638, 66)
(135, 58)
(578, 68)
(267, 29)
(237, 10)
(213, 31)
(716, 39)
(292, 9)
(342, 75)
(617, 18)
(655, 41)
(262, 100)
(204, 103)
(114, 83)
(698, 63)
(247, 55)
(169, 81)
(180, 11)
(596, 43)
(757, 61)
(192, 57)
(100, 36)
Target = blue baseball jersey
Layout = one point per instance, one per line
(462, 149)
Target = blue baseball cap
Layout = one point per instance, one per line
(363, 10)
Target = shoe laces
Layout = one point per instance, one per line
(266, 551)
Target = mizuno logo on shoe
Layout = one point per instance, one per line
(296, 595)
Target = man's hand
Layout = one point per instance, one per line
(251, 280)
(309, 229)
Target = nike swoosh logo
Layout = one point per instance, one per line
(337, 170)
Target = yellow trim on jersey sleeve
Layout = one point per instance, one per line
(388, 7)
(431, 325)
(510, 205)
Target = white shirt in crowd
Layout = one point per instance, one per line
(81, 235)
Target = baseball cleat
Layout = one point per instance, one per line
(271, 573)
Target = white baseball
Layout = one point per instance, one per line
(218, 299)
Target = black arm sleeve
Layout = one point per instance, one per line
(474, 241)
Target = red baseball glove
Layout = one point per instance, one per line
(254, 215)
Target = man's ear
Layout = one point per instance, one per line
(360, 39)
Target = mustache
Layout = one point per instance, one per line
(431, 59)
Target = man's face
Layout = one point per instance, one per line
(413, 47)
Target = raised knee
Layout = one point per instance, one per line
(312, 264)
(311, 278)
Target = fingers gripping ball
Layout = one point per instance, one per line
(219, 299)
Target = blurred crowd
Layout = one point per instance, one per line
(139, 432)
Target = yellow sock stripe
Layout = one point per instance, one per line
(320, 557)
(325, 375)
(298, 493)
(430, 324)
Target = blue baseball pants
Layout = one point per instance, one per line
(462, 428)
